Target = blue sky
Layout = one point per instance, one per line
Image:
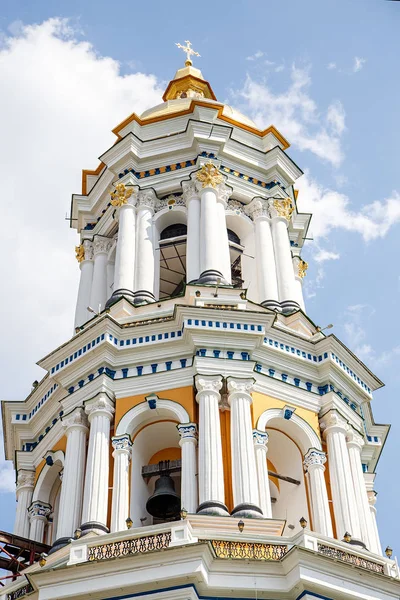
(325, 73)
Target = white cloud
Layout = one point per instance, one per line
(332, 210)
(323, 255)
(331, 66)
(358, 64)
(62, 101)
(255, 56)
(296, 114)
(279, 68)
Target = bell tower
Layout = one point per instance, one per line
(198, 425)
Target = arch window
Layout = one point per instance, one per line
(172, 244)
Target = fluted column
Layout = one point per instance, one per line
(244, 473)
(211, 471)
(354, 445)
(344, 500)
(376, 545)
(120, 494)
(223, 193)
(265, 258)
(191, 196)
(25, 485)
(84, 255)
(69, 516)
(299, 268)
(281, 211)
(100, 412)
(124, 273)
(314, 462)
(98, 295)
(144, 282)
(38, 514)
(212, 237)
(188, 443)
(260, 439)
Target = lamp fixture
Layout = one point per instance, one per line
(389, 551)
(129, 523)
(240, 525)
(347, 537)
(303, 523)
(184, 513)
(77, 533)
(42, 559)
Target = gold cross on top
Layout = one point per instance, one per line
(189, 52)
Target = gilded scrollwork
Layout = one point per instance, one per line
(120, 195)
(209, 176)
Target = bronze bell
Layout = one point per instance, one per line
(165, 502)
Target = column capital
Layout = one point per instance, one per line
(124, 195)
(84, 251)
(314, 458)
(223, 194)
(99, 405)
(75, 420)
(332, 421)
(25, 480)
(187, 432)
(39, 510)
(147, 199)
(190, 191)
(354, 439)
(121, 443)
(238, 387)
(209, 176)
(260, 439)
(372, 498)
(208, 383)
(101, 244)
(258, 208)
(300, 267)
(280, 208)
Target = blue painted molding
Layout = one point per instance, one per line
(313, 595)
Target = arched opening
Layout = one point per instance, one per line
(235, 251)
(48, 490)
(241, 248)
(172, 247)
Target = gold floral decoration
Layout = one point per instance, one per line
(209, 175)
(80, 253)
(284, 208)
(303, 266)
(121, 194)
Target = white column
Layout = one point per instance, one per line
(314, 462)
(354, 445)
(100, 412)
(192, 198)
(299, 274)
(85, 258)
(25, 485)
(144, 282)
(124, 273)
(376, 546)
(265, 258)
(99, 292)
(110, 277)
(188, 443)
(120, 494)
(223, 193)
(38, 513)
(343, 496)
(211, 471)
(244, 473)
(280, 213)
(69, 517)
(260, 439)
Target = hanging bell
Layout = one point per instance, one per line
(165, 502)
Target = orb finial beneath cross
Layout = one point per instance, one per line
(189, 52)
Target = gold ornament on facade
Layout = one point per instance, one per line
(209, 176)
(303, 266)
(121, 194)
(284, 208)
(80, 253)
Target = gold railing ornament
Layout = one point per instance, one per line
(148, 543)
(121, 195)
(284, 208)
(209, 175)
(248, 550)
(302, 269)
(80, 253)
(348, 557)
